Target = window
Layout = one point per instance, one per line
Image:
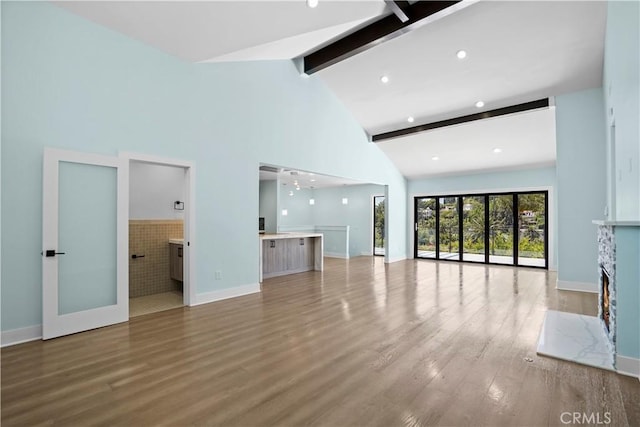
(496, 228)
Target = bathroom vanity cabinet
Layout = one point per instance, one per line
(176, 261)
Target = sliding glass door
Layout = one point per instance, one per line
(473, 224)
(498, 228)
(449, 227)
(532, 229)
(501, 229)
(425, 227)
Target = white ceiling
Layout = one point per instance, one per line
(518, 51)
(199, 31)
(525, 140)
(292, 178)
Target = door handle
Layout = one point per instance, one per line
(52, 252)
(134, 256)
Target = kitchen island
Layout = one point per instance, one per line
(288, 253)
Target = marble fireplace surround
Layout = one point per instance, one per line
(586, 339)
(607, 261)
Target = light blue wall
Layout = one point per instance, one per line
(268, 206)
(622, 100)
(521, 180)
(328, 210)
(299, 212)
(71, 84)
(581, 169)
(628, 291)
(357, 214)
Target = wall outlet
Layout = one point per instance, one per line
(218, 275)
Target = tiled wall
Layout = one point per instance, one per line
(150, 275)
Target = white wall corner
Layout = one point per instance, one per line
(628, 366)
(394, 259)
(223, 294)
(565, 285)
(18, 336)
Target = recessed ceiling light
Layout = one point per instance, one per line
(435, 158)
(410, 119)
(479, 104)
(312, 3)
(384, 79)
(461, 54)
(312, 180)
(497, 150)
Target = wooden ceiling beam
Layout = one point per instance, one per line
(378, 32)
(527, 106)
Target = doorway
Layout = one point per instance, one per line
(378, 225)
(156, 237)
(160, 220)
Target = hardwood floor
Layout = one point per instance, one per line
(412, 343)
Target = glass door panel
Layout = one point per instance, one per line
(87, 273)
(531, 229)
(449, 227)
(501, 229)
(378, 225)
(426, 227)
(473, 225)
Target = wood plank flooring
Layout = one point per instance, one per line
(360, 344)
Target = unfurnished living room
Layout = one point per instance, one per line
(315, 212)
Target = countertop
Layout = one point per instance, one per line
(288, 235)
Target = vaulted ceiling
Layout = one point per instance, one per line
(517, 51)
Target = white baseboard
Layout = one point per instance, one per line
(628, 366)
(565, 285)
(18, 336)
(366, 254)
(222, 294)
(336, 255)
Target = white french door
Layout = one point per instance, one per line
(84, 242)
